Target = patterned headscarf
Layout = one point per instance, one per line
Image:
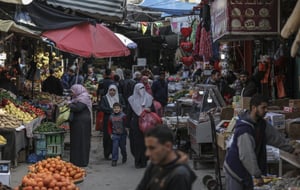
(80, 94)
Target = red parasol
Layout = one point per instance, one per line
(88, 40)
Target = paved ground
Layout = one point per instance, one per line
(102, 176)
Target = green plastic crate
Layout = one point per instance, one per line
(49, 144)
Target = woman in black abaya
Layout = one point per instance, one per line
(139, 101)
(80, 126)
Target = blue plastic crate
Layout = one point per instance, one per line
(40, 144)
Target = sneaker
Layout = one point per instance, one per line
(114, 163)
(124, 160)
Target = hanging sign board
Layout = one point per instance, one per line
(141, 61)
(232, 18)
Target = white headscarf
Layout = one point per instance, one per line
(140, 99)
(120, 73)
(112, 99)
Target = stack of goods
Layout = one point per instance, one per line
(16, 112)
(285, 184)
(52, 173)
(240, 103)
(177, 95)
(272, 153)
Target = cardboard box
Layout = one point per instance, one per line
(294, 103)
(277, 120)
(5, 178)
(245, 103)
(280, 102)
(293, 128)
(222, 140)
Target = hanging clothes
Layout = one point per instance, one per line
(280, 86)
(205, 45)
(197, 40)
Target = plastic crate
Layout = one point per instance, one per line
(49, 144)
(40, 144)
(55, 139)
(54, 150)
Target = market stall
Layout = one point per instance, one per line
(18, 120)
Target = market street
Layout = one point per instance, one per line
(101, 175)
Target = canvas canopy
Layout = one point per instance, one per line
(170, 7)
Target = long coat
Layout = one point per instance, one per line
(80, 134)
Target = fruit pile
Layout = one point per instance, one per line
(35, 112)
(45, 181)
(52, 173)
(57, 166)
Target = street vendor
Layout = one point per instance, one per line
(246, 157)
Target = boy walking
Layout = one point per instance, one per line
(118, 134)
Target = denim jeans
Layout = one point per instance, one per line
(119, 141)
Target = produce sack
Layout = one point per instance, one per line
(99, 121)
(148, 120)
(63, 115)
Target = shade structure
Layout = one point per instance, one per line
(88, 40)
(11, 26)
(126, 41)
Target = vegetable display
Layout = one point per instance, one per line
(46, 127)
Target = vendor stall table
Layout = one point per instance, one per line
(290, 158)
(17, 140)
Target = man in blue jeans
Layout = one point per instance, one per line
(118, 133)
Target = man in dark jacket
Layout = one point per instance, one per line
(247, 87)
(52, 84)
(104, 84)
(160, 89)
(246, 157)
(168, 169)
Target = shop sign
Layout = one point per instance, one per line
(244, 18)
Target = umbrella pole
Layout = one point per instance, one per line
(109, 63)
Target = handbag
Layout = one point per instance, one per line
(99, 121)
(63, 115)
(148, 120)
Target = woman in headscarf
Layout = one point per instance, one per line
(80, 126)
(106, 106)
(139, 101)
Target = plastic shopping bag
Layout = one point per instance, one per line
(64, 115)
(148, 120)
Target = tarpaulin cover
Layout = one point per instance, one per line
(111, 10)
(172, 7)
(47, 18)
(11, 26)
(24, 2)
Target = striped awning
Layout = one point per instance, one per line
(23, 2)
(109, 10)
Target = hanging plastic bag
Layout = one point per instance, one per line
(148, 120)
(99, 121)
(64, 115)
